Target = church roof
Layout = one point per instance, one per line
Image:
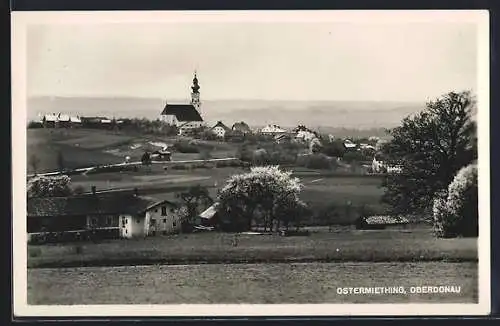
(182, 112)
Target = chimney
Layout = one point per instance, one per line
(93, 189)
(136, 192)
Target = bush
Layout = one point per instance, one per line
(34, 124)
(455, 211)
(316, 161)
(186, 147)
(354, 156)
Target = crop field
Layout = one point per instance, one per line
(249, 283)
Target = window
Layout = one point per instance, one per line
(171, 210)
(156, 210)
(93, 221)
(109, 221)
(175, 224)
(164, 220)
(163, 210)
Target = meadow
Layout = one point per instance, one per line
(88, 147)
(249, 283)
(342, 244)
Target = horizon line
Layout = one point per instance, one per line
(215, 99)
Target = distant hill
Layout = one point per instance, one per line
(314, 114)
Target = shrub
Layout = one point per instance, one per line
(186, 147)
(353, 156)
(455, 211)
(316, 161)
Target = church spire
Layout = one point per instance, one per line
(195, 94)
(195, 87)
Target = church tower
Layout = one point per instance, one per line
(195, 94)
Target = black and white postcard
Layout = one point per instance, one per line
(244, 163)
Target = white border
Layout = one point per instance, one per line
(20, 21)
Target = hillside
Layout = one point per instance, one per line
(86, 147)
(325, 114)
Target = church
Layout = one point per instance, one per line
(186, 117)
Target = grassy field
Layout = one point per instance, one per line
(344, 244)
(320, 192)
(85, 147)
(249, 283)
(77, 146)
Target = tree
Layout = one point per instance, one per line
(43, 186)
(193, 199)
(455, 211)
(334, 149)
(146, 159)
(315, 145)
(430, 147)
(61, 162)
(266, 191)
(34, 161)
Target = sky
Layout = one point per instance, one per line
(347, 61)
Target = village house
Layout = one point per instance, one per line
(161, 155)
(220, 129)
(95, 122)
(304, 134)
(75, 121)
(350, 145)
(59, 120)
(283, 138)
(49, 120)
(115, 215)
(272, 130)
(186, 117)
(380, 166)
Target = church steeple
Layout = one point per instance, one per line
(195, 94)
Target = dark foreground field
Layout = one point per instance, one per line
(249, 283)
(342, 245)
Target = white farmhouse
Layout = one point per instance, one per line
(220, 129)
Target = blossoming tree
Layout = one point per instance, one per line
(456, 210)
(265, 193)
(43, 186)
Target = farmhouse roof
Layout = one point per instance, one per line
(182, 112)
(88, 205)
(210, 212)
(220, 124)
(161, 203)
